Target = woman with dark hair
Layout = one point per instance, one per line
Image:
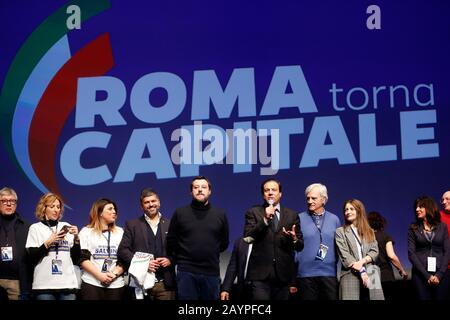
(386, 255)
(358, 250)
(102, 274)
(428, 250)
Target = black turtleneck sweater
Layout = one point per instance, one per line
(197, 234)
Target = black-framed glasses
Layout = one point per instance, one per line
(9, 201)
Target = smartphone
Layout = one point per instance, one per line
(65, 228)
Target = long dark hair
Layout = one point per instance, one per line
(431, 210)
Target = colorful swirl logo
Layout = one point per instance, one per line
(40, 91)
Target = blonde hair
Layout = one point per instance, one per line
(94, 215)
(361, 223)
(46, 200)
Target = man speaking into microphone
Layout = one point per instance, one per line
(276, 233)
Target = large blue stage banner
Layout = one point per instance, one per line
(103, 98)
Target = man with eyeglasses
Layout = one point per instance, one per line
(15, 275)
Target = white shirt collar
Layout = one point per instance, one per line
(149, 221)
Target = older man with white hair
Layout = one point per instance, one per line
(317, 263)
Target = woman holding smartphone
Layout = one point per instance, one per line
(53, 246)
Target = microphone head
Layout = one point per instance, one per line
(270, 202)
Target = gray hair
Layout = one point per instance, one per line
(5, 191)
(320, 187)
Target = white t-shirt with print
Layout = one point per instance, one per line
(44, 277)
(97, 244)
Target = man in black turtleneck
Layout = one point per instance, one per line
(197, 234)
(15, 276)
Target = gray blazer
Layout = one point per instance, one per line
(347, 249)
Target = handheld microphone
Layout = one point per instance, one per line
(271, 202)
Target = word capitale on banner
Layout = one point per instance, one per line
(246, 143)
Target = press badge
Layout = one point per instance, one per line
(431, 265)
(56, 266)
(7, 254)
(322, 252)
(107, 265)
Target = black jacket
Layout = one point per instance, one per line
(236, 267)
(272, 248)
(419, 249)
(21, 227)
(135, 238)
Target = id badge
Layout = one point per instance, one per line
(7, 254)
(56, 266)
(106, 265)
(431, 265)
(322, 252)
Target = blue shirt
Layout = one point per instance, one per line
(308, 265)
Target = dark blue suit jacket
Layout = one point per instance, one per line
(135, 238)
(419, 249)
(236, 267)
(272, 249)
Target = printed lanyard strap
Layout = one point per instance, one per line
(430, 236)
(359, 241)
(316, 221)
(109, 241)
(57, 242)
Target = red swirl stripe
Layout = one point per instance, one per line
(58, 101)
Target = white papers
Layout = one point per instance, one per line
(140, 278)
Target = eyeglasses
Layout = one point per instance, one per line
(6, 202)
